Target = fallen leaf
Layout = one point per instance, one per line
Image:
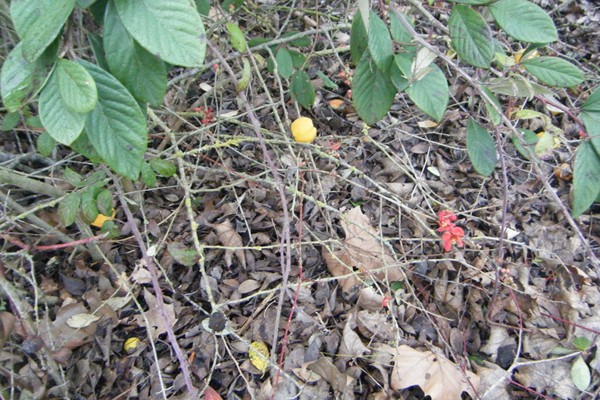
(362, 252)
(229, 237)
(81, 320)
(259, 356)
(154, 317)
(211, 394)
(437, 376)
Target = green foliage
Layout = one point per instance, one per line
(471, 37)
(481, 148)
(524, 21)
(580, 374)
(238, 41)
(586, 178)
(302, 90)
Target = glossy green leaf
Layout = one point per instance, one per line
(372, 91)
(63, 124)
(148, 176)
(471, 36)
(68, 208)
(171, 30)
(45, 144)
(554, 71)
(302, 89)
(15, 78)
(481, 148)
(238, 40)
(380, 43)
(77, 88)
(116, 127)
(590, 114)
(358, 38)
(38, 22)
(580, 374)
(431, 93)
(586, 178)
(285, 65)
(524, 21)
(142, 73)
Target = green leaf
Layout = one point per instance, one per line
(104, 202)
(582, 343)
(244, 80)
(11, 120)
(493, 115)
(77, 88)
(580, 374)
(397, 29)
(481, 148)
(148, 175)
(68, 208)
(302, 89)
(144, 74)
(85, 3)
(517, 86)
(116, 127)
(238, 41)
(98, 50)
(15, 78)
(182, 254)
(471, 36)
(524, 21)
(302, 41)
(359, 40)
(298, 59)
(61, 123)
(554, 71)
(529, 138)
(89, 209)
(45, 144)
(372, 91)
(397, 76)
(590, 114)
(586, 178)
(38, 22)
(327, 82)
(473, 2)
(163, 167)
(84, 147)
(203, 6)
(431, 93)
(285, 65)
(544, 148)
(380, 43)
(172, 30)
(72, 177)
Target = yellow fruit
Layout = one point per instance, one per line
(101, 219)
(131, 344)
(303, 130)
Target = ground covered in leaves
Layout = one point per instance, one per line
(311, 271)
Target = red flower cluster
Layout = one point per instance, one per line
(451, 234)
(206, 114)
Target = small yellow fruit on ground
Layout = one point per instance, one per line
(131, 344)
(303, 130)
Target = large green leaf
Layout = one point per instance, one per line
(116, 127)
(238, 40)
(358, 38)
(586, 178)
(38, 22)
(524, 21)
(481, 148)
(372, 91)
(285, 64)
(15, 78)
(471, 36)
(397, 29)
(172, 30)
(302, 89)
(380, 42)
(69, 208)
(554, 71)
(77, 88)
(144, 74)
(431, 93)
(590, 114)
(63, 124)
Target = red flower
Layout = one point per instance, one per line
(446, 220)
(452, 235)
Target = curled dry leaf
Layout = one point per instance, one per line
(437, 376)
(361, 252)
(228, 237)
(81, 320)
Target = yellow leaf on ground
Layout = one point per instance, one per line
(258, 349)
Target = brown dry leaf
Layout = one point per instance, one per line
(437, 376)
(361, 251)
(7, 323)
(228, 236)
(552, 378)
(154, 317)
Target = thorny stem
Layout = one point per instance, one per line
(285, 249)
(149, 263)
